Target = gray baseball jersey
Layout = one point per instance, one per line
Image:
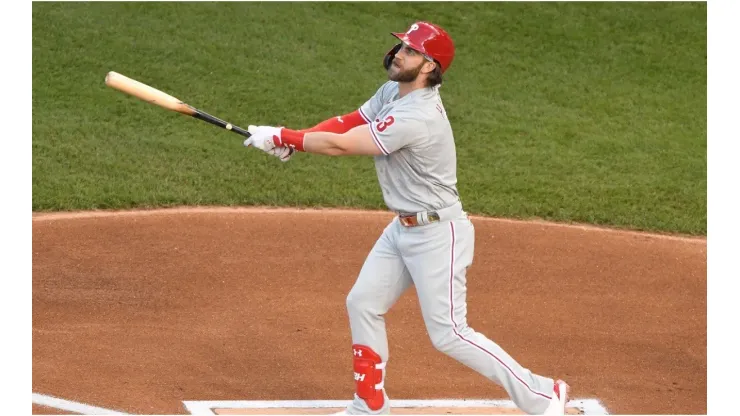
(418, 168)
(417, 172)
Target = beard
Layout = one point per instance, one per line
(407, 75)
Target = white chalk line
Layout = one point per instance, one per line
(207, 408)
(67, 215)
(70, 406)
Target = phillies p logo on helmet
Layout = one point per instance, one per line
(429, 39)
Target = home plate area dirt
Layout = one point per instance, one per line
(142, 311)
(395, 411)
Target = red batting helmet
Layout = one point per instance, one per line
(429, 39)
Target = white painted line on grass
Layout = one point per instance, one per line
(70, 406)
(203, 408)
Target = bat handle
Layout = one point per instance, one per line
(200, 115)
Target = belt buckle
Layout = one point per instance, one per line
(433, 216)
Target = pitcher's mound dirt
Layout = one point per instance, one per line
(140, 311)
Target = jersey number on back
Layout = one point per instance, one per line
(382, 125)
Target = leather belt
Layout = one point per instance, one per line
(429, 217)
(413, 220)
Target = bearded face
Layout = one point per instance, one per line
(401, 74)
(398, 73)
(406, 65)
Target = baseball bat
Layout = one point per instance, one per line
(154, 96)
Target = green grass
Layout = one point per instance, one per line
(585, 112)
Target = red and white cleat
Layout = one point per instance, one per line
(559, 399)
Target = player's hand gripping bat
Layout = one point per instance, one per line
(157, 97)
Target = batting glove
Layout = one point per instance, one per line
(282, 153)
(264, 138)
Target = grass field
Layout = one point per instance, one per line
(585, 112)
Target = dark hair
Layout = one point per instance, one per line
(435, 77)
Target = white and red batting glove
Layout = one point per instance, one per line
(267, 139)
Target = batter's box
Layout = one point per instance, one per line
(398, 407)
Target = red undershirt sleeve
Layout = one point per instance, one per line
(340, 124)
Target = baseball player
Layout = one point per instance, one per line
(430, 242)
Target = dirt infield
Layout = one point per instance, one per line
(44, 410)
(139, 311)
(402, 411)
